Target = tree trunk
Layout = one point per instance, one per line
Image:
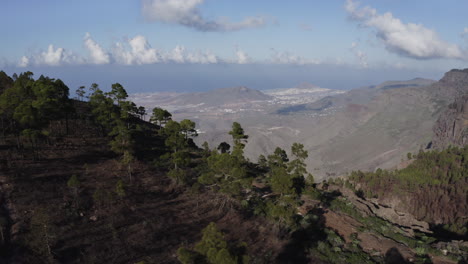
(47, 242)
(129, 171)
(66, 123)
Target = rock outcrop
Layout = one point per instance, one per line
(387, 211)
(452, 126)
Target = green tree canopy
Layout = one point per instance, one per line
(214, 247)
(187, 127)
(240, 139)
(118, 93)
(279, 158)
(160, 116)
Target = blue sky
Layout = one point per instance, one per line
(357, 42)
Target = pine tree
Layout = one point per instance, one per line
(187, 127)
(80, 92)
(160, 116)
(239, 139)
(214, 247)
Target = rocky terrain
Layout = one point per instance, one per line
(92, 182)
(451, 127)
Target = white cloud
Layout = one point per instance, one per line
(202, 57)
(180, 55)
(242, 57)
(97, 54)
(177, 54)
(51, 57)
(186, 13)
(360, 55)
(24, 62)
(285, 57)
(408, 40)
(137, 50)
(140, 52)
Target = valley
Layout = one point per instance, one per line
(234, 132)
(382, 123)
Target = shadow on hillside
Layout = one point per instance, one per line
(443, 234)
(327, 197)
(393, 256)
(296, 251)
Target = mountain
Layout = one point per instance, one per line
(233, 97)
(451, 127)
(223, 96)
(94, 183)
(403, 84)
(362, 129)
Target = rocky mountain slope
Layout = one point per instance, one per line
(451, 127)
(94, 183)
(367, 128)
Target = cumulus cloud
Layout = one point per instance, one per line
(136, 50)
(242, 57)
(360, 55)
(97, 55)
(408, 40)
(177, 55)
(187, 13)
(180, 55)
(24, 62)
(202, 57)
(51, 57)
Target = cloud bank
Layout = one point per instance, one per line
(138, 51)
(187, 13)
(407, 40)
(52, 57)
(131, 51)
(285, 57)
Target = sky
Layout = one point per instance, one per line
(196, 45)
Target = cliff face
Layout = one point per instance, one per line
(452, 126)
(456, 76)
